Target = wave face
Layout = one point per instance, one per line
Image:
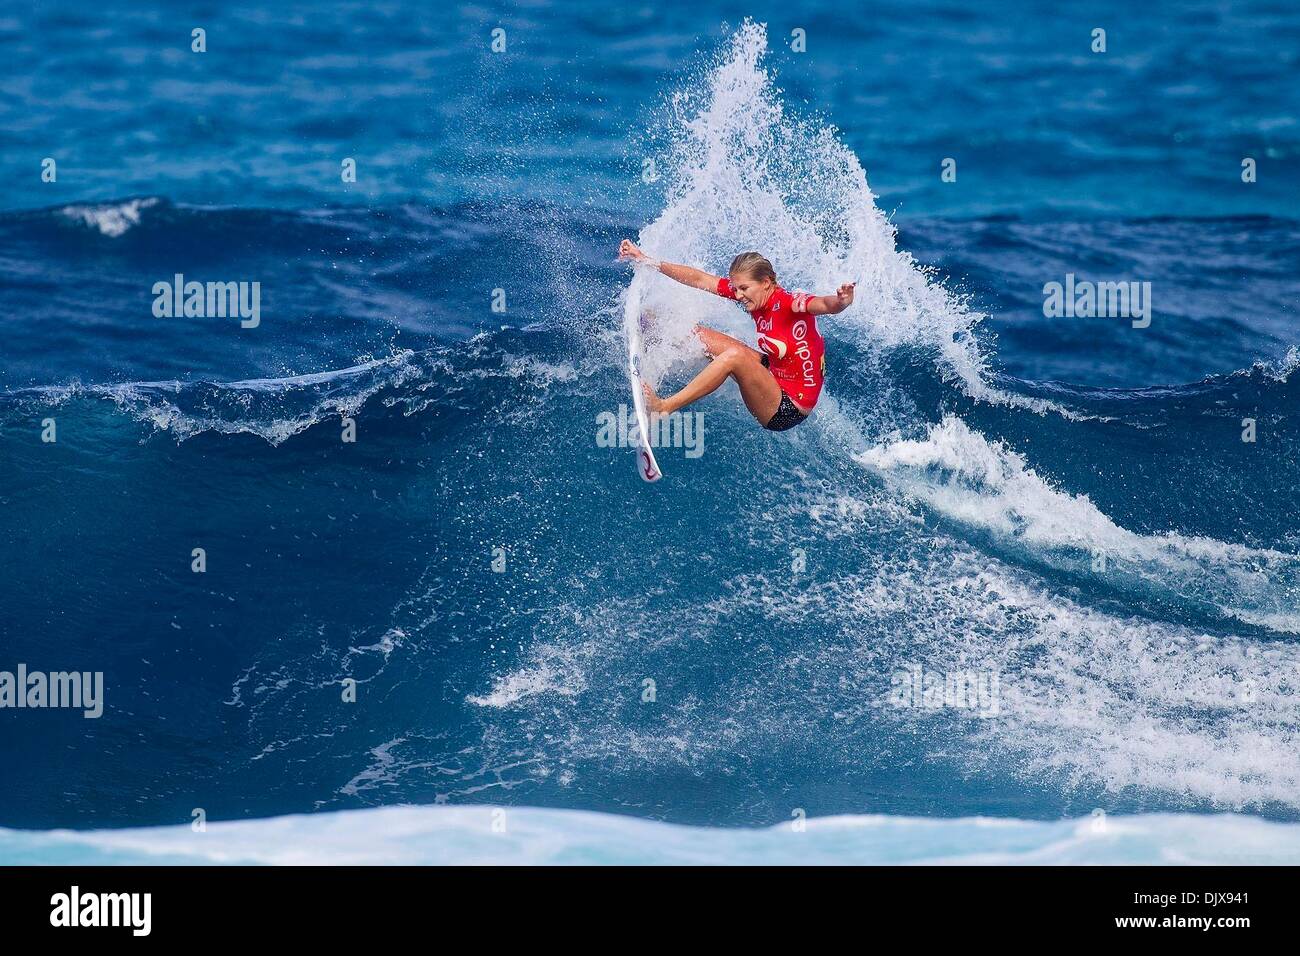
(964, 588)
(512, 836)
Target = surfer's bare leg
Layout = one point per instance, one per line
(761, 394)
(715, 342)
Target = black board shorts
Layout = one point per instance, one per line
(787, 415)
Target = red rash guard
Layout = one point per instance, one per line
(788, 336)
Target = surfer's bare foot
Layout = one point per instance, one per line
(653, 402)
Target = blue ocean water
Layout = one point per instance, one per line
(1064, 504)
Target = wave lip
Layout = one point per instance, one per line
(112, 219)
(482, 835)
(274, 409)
(986, 485)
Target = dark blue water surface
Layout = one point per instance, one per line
(1156, 125)
(945, 525)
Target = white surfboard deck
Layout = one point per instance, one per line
(646, 465)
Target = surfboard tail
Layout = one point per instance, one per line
(647, 467)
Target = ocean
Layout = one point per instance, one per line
(355, 563)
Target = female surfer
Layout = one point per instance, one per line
(781, 382)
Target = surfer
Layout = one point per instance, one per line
(781, 381)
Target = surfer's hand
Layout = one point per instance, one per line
(628, 252)
(844, 295)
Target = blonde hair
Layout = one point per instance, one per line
(752, 264)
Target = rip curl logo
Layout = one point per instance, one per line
(648, 470)
(771, 346)
(804, 352)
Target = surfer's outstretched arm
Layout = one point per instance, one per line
(686, 275)
(831, 304)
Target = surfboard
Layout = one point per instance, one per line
(646, 465)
